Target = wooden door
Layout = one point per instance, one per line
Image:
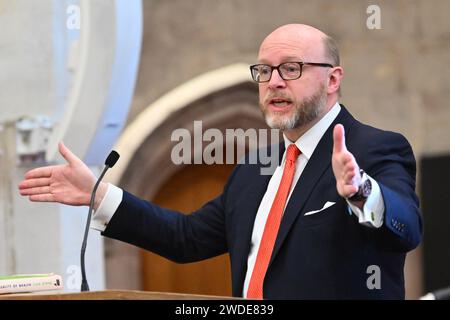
(187, 190)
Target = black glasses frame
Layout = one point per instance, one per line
(300, 63)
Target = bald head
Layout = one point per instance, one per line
(300, 39)
(294, 98)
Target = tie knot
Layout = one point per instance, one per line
(292, 152)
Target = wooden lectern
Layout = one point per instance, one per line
(110, 295)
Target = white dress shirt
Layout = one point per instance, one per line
(371, 215)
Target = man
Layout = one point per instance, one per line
(340, 206)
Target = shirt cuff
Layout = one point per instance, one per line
(373, 210)
(107, 208)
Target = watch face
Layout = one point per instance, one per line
(366, 188)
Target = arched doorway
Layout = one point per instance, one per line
(187, 188)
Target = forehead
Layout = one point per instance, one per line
(283, 48)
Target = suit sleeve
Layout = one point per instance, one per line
(173, 235)
(390, 161)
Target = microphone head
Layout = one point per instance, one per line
(112, 159)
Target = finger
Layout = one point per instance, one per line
(43, 172)
(341, 159)
(35, 191)
(349, 177)
(67, 154)
(350, 171)
(339, 139)
(32, 183)
(343, 163)
(42, 198)
(349, 190)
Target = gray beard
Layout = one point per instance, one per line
(305, 112)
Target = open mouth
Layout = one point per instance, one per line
(279, 103)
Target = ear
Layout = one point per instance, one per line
(334, 79)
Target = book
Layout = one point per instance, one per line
(21, 283)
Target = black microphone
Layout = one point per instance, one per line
(109, 163)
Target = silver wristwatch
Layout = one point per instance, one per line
(364, 188)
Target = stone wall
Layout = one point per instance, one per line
(396, 78)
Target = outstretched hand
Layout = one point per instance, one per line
(345, 167)
(70, 184)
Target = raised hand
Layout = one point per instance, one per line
(345, 167)
(70, 184)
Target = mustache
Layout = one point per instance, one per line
(278, 95)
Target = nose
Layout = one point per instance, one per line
(276, 81)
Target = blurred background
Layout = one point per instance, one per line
(103, 74)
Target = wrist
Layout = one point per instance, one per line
(364, 190)
(100, 194)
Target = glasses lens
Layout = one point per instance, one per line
(290, 70)
(261, 72)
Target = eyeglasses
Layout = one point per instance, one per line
(286, 70)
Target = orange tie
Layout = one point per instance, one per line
(255, 288)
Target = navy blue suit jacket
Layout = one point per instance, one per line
(321, 256)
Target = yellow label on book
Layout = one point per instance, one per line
(24, 276)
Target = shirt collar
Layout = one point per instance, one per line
(308, 142)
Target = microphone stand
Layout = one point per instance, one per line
(84, 283)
